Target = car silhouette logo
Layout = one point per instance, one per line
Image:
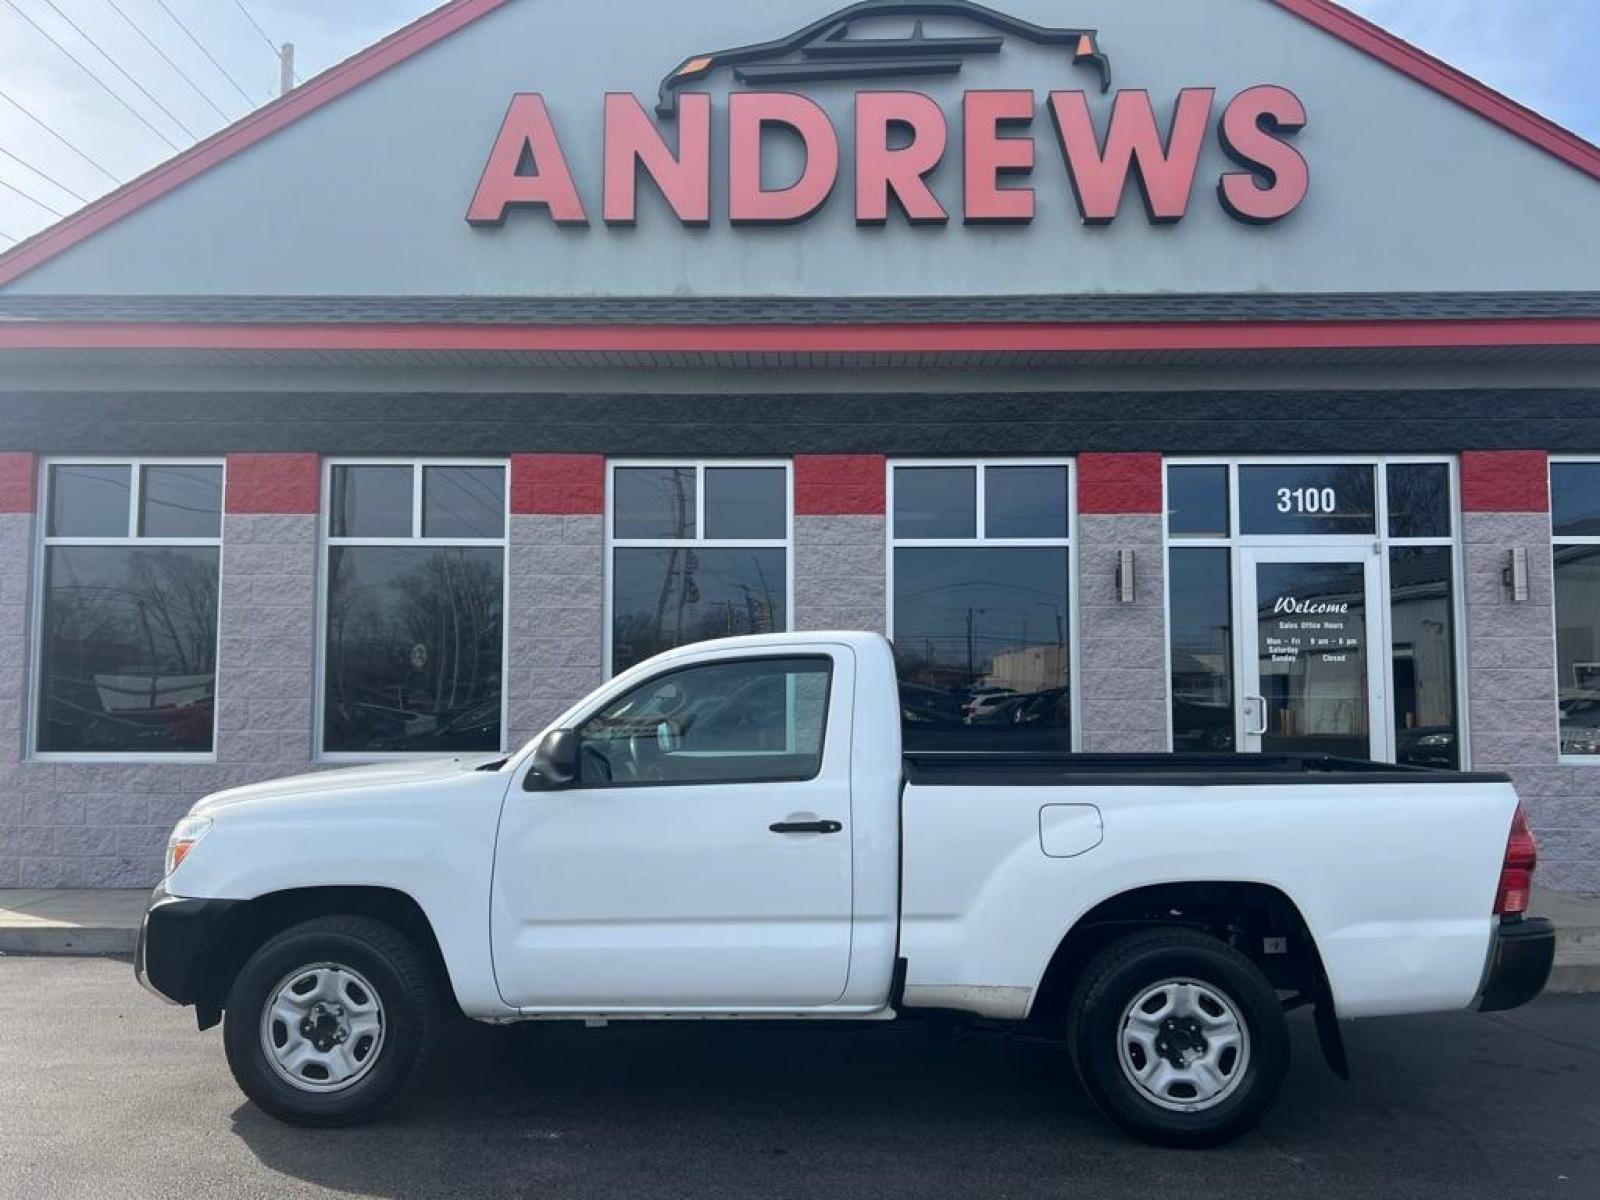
(826, 51)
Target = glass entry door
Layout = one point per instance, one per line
(1313, 679)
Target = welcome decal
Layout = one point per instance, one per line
(902, 137)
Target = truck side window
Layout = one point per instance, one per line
(743, 721)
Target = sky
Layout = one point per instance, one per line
(1540, 52)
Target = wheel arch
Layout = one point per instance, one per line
(253, 922)
(1245, 915)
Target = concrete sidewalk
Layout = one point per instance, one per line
(65, 921)
(61, 922)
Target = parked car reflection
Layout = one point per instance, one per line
(956, 718)
(1580, 722)
(1427, 746)
(1202, 724)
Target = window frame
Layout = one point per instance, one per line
(738, 658)
(1381, 542)
(1591, 761)
(981, 539)
(612, 543)
(43, 543)
(326, 542)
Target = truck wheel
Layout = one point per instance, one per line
(329, 1020)
(1178, 1038)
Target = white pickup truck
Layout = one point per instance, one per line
(732, 830)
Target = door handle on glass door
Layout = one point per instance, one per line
(1256, 706)
(806, 827)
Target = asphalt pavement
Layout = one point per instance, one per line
(105, 1092)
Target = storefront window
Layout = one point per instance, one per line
(698, 551)
(414, 644)
(1575, 514)
(981, 614)
(1307, 499)
(1197, 502)
(1419, 500)
(1295, 668)
(1575, 499)
(1422, 625)
(1202, 649)
(128, 654)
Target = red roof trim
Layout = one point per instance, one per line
(1448, 81)
(242, 134)
(842, 339)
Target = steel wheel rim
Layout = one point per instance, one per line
(1183, 1045)
(322, 1027)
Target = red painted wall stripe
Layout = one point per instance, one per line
(1456, 85)
(1508, 481)
(820, 339)
(243, 134)
(837, 485)
(18, 482)
(289, 484)
(1119, 483)
(558, 484)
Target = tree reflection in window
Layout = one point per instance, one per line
(414, 649)
(129, 661)
(698, 551)
(666, 598)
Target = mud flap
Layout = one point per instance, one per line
(1330, 1038)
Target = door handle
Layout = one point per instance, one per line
(1256, 706)
(806, 827)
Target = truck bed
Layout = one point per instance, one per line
(957, 768)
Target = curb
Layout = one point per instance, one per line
(62, 941)
(1574, 979)
(1577, 961)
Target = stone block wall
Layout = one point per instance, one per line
(840, 562)
(1122, 646)
(1511, 668)
(555, 625)
(105, 824)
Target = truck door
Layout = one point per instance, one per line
(702, 857)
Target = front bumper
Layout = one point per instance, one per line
(1519, 964)
(175, 937)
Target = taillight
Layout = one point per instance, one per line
(1516, 873)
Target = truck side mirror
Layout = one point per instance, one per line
(555, 761)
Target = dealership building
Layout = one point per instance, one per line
(1158, 375)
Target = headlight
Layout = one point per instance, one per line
(188, 831)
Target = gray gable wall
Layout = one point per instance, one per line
(368, 195)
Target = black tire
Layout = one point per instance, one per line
(400, 975)
(1124, 971)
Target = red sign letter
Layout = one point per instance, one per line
(990, 156)
(527, 134)
(632, 138)
(1276, 178)
(748, 114)
(903, 173)
(1165, 173)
